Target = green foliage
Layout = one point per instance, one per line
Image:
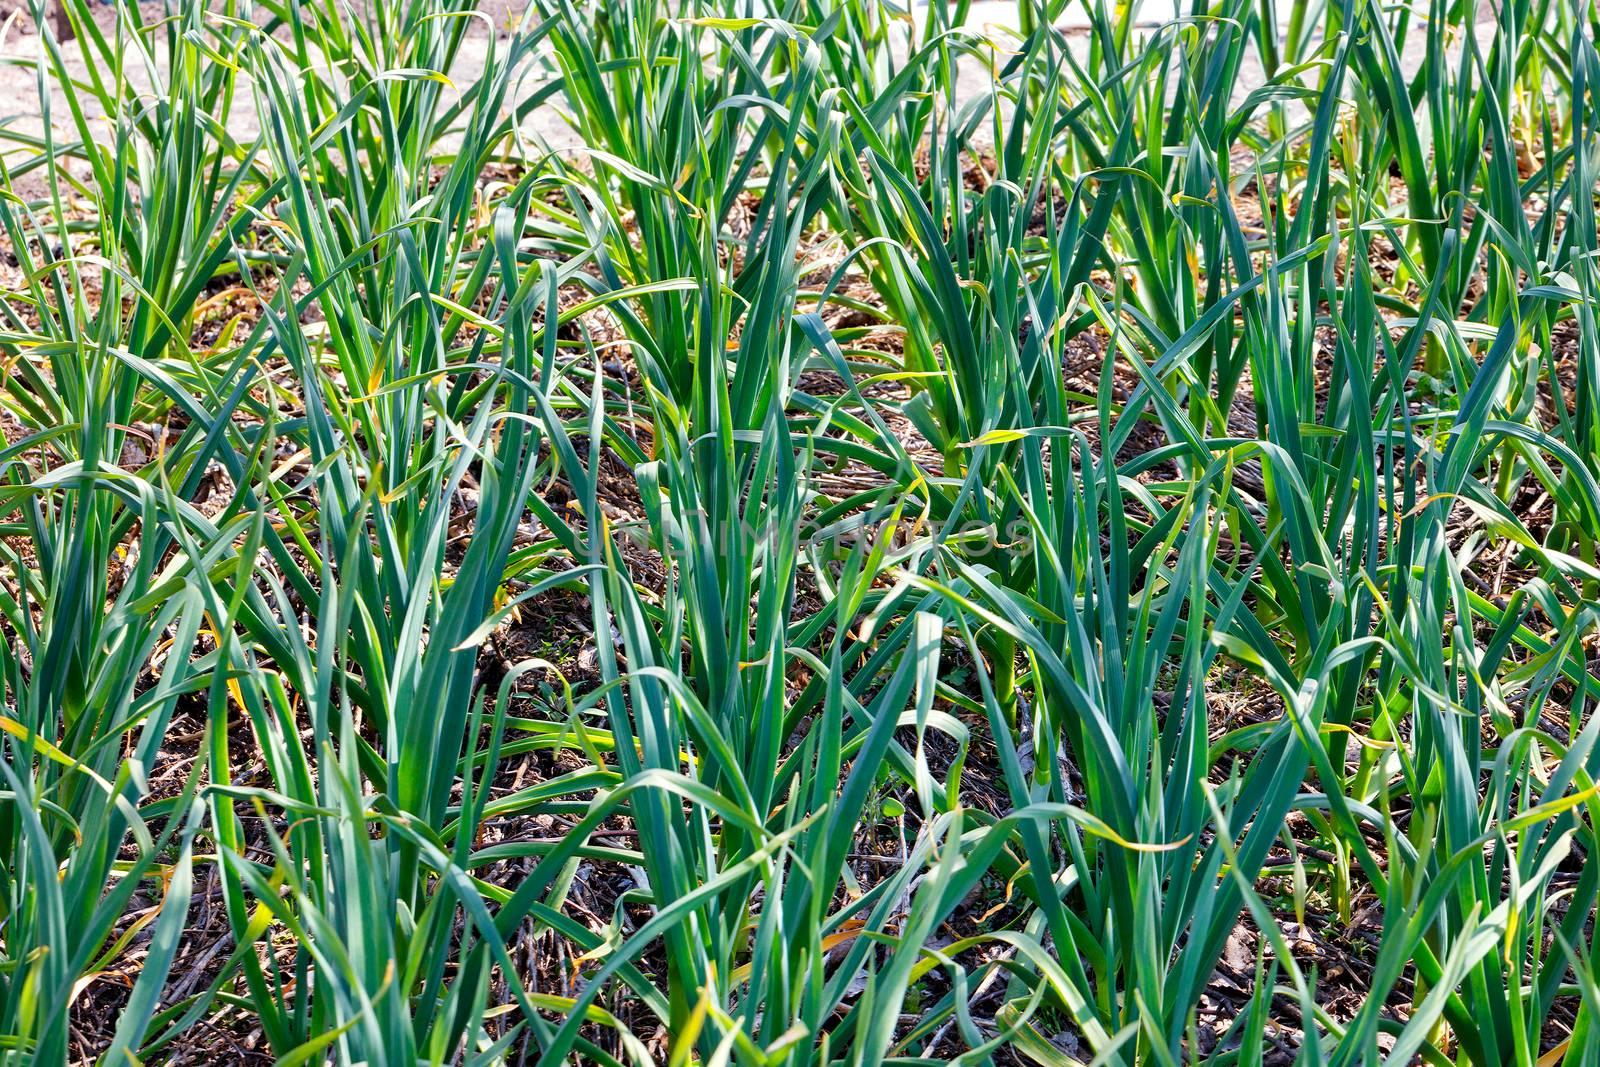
(965, 527)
